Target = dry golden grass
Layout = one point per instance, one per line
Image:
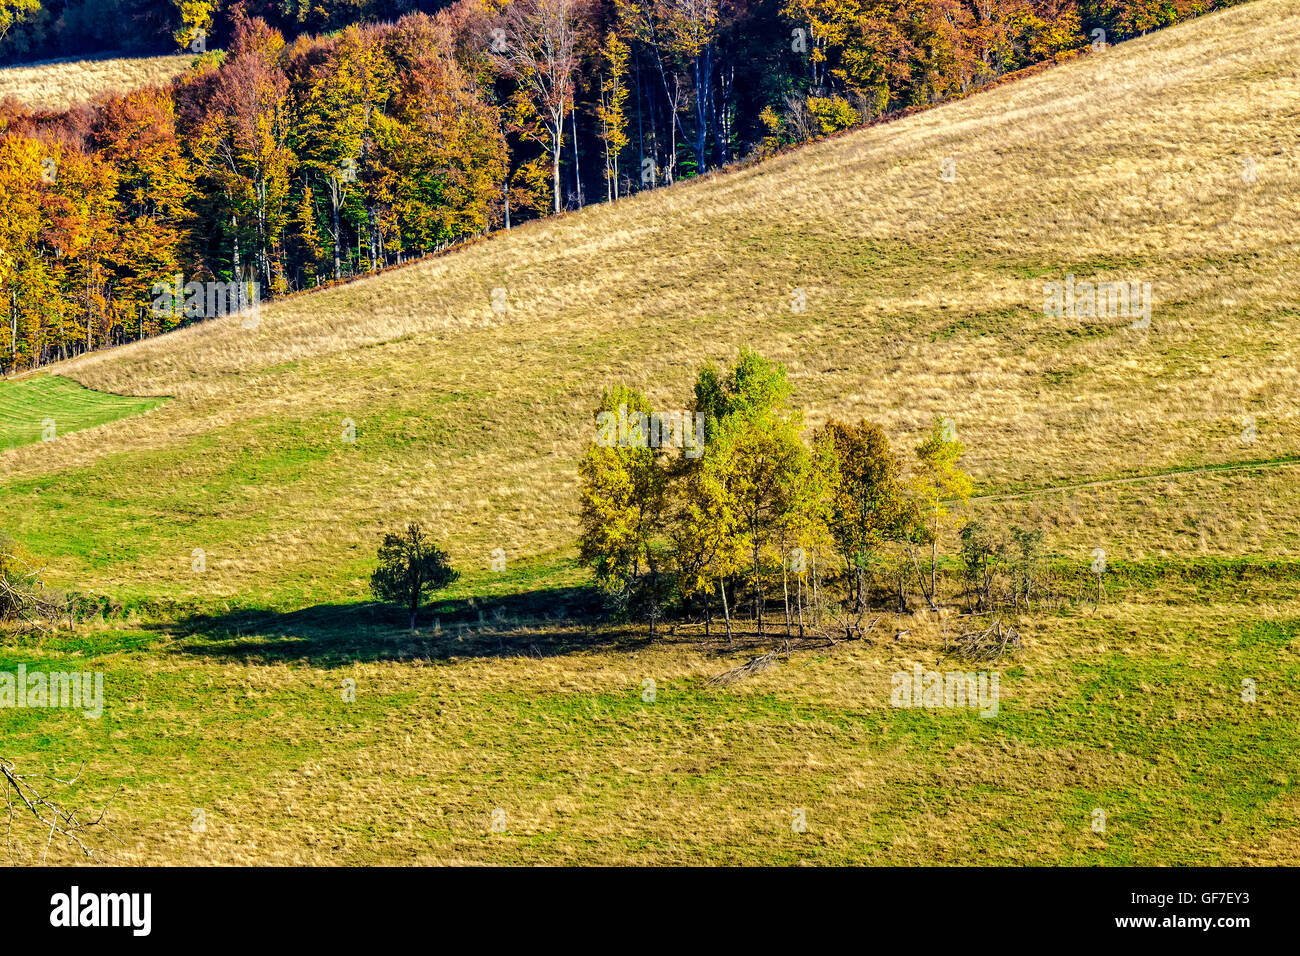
(58, 84)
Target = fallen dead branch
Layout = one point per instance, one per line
(25, 604)
(755, 665)
(55, 820)
(850, 624)
(989, 644)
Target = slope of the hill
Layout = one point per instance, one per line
(1169, 160)
(58, 84)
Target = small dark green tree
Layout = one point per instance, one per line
(982, 555)
(865, 496)
(410, 567)
(1027, 545)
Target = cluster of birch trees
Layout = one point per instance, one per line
(821, 527)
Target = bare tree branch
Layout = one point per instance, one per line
(25, 604)
(55, 819)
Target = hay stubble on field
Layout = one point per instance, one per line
(59, 84)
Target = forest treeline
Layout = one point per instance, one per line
(288, 158)
(38, 29)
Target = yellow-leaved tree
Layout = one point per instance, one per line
(623, 485)
(195, 23)
(609, 113)
(939, 483)
(14, 11)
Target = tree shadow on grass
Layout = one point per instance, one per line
(542, 623)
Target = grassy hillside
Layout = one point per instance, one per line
(1174, 448)
(58, 84)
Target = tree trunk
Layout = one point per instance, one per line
(609, 172)
(798, 601)
(817, 614)
(703, 105)
(934, 565)
(928, 594)
(785, 589)
(235, 229)
(934, 558)
(672, 151)
(577, 166)
(334, 215)
(374, 237)
(557, 144)
(726, 612)
(640, 123)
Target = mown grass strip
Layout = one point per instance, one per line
(46, 406)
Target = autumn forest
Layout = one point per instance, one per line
(287, 159)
